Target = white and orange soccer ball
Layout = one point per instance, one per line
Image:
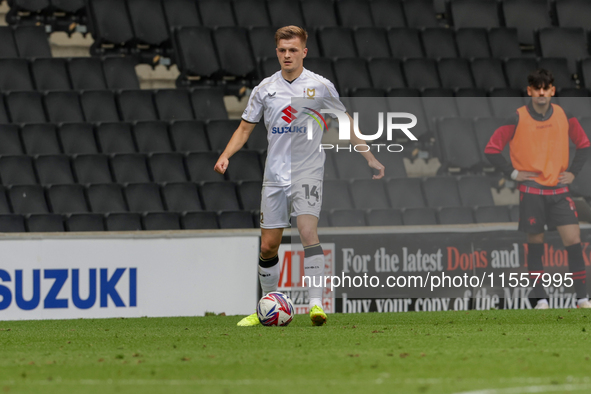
(275, 309)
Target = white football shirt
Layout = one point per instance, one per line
(287, 107)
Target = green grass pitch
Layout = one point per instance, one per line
(428, 352)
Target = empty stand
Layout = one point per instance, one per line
(173, 105)
(369, 194)
(251, 13)
(405, 43)
(419, 216)
(7, 45)
(123, 222)
(130, 168)
(245, 166)
(492, 214)
(63, 107)
(559, 66)
(148, 21)
(488, 73)
(569, 43)
(405, 193)
(457, 142)
(12, 224)
(573, 13)
(336, 195)
(234, 51)
(504, 42)
(319, 13)
(517, 70)
(250, 195)
(455, 73)
(351, 74)
(219, 132)
(216, 13)
(475, 191)
(421, 73)
(371, 42)
(387, 13)
(354, 13)
(120, 72)
(208, 104)
(32, 42)
(352, 165)
(285, 13)
(25, 107)
(109, 23)
(384, 217)
(386, 73)
(337, 42)
(11, 144)
(195, 52)
(181, 13)
(472, 43)
(419, 13)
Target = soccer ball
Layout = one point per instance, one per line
(275, 309)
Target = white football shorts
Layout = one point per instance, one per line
(279, 203)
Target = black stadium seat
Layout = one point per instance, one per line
(92, 169)
(123, 222)
(455, 73)
(148, 21)
(560, 70)
(573, 13)
(120, 73)
(109, 22)
(28, 199)
(245, 166)
(54, 170)
(488, 73)
(369, 194)
(492, 214)
(347, 218)
(45, 223)
(3, 115)
(234, 51)
(262, 42)
(152, 137)
(419, 216)
(219, 196)
(354, 13)
(387, 13)
(457, 143)
(63, 107)
(32, 42)
(469, 13)
(155, 221)
(285, 13)
(86, 73)
(405, 43)
(455, 215)
(441, 192)
(250, 195)
(472, 43)
(475, 191)
(336, 195)
(384, 217)
(173, 105)
(420, 13)
(569, 43)
(50, 74)
(12, 224)
(219, 132)
(527, 16)
(504, 42)
(136, 105)
(200, 221)
(439, 43)
(235, 219)
(11, 144)
(85, 222)
(181, 197)
(405, 193)
(7, 45)
(25, 107)
(15, 75)
(319, 13)
(216, 13)
(99, 106)
(200, 167)
(351, 74)
(167, 167)
(66, 199)
(143, 197)
(189, 136)
(371, 42)
(130, 168)
(386, 73)
(106, 198)
(517, 70)
(208, 104)
(195, 52)
(115, 138)
(251, 13)
(421, 73)
(337, 42)
(40, 139)
(181, 13)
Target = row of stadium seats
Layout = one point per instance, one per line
(127, 221)
(79, 73)
(397, 193)
(206, 220)
(109, 106)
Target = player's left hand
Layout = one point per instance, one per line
(376, 165)
(566, 177)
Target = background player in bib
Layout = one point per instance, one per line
(292, 184)
(538, 137)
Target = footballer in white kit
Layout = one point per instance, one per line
(292, 185)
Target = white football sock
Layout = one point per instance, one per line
(269, 277)
(543, 301)
(314, 269)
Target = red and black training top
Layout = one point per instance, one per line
(540, 143)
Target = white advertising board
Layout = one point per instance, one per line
(133, 277)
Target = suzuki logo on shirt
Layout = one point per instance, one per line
(289, 114)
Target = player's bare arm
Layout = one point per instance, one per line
(371, 159)
(526, 176)
(237, 141)
(566, 177)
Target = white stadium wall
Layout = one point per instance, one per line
(102, 276)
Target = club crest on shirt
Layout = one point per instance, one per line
(310, 93)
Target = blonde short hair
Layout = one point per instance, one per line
(289, 32)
